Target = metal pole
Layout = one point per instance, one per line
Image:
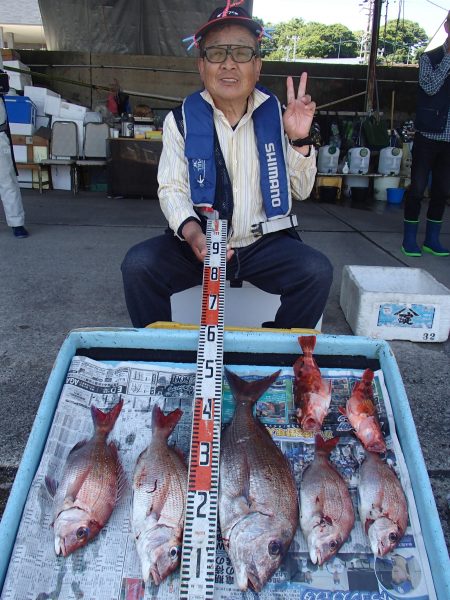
(371, 67)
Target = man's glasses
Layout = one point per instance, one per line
(218, 54)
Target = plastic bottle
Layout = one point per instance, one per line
(328, 159)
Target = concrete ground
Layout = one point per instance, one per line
(66, 275)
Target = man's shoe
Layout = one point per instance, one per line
(20, 232)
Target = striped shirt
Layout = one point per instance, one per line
(241, 158)
(431, 80)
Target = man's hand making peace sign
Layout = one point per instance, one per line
(299, 113)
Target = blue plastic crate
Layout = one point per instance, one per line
(20, 109)
(248, 342)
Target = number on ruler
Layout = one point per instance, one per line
(202, 515)
(205, 454)
(212, 301)
(215, 248)
(209, 368)
(207, 409)
(214, 273)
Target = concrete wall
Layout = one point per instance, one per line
(176, 77)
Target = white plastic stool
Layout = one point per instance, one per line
(245, 306)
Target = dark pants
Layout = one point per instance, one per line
(278, 263)
(428, 156)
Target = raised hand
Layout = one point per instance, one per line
(299, 113)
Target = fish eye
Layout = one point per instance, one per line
(82, 532)
(274, 548)
(174, 552)
(333, 545)
(393, 536)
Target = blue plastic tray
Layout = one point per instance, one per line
(254, 342)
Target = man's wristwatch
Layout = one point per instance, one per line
(299, 142)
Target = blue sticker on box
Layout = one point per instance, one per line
(420, 316)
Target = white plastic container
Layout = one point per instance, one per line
(328, 159)
(37, 95)
(395, 303)
(381, 184)
(358, 160)
(390, 161)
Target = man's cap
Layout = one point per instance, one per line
(235, 15)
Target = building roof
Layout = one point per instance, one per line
(20, 12)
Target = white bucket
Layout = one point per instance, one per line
(381, 184)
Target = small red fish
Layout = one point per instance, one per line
(159, 498)
(91, 485)
(360, 411)
(312, 394)
(382, 505)
(326, 509)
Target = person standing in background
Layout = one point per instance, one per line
(431, 151)
(9, 186)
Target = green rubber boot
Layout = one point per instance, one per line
(432, 245)
(409, 245)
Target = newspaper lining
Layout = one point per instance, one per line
(109, 568)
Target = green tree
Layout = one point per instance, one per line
(296, 39)
(328, 41)
(402, 41)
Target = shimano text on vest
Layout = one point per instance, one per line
(272, 166)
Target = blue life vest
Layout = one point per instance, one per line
(199, 151)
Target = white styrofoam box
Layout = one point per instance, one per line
(52, 104)
(20, 153)
(246, 306)
(61, 177)
(80, 127)
(93, 116)
(22, 128)
(38, 95)
(395, 303)
(72, 111)
(17, 80)
(25, 178)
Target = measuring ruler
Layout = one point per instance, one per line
(198, 559)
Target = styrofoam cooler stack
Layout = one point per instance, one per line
(38, 95)
(75, 112)
(395, 303)
(52, 105)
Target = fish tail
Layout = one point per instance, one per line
(249, 391)
(364, 386)
(325, 445)
(308, 343)
(367, 376)
(104, 421)
(165, 423)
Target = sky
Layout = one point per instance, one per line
(430, 14)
